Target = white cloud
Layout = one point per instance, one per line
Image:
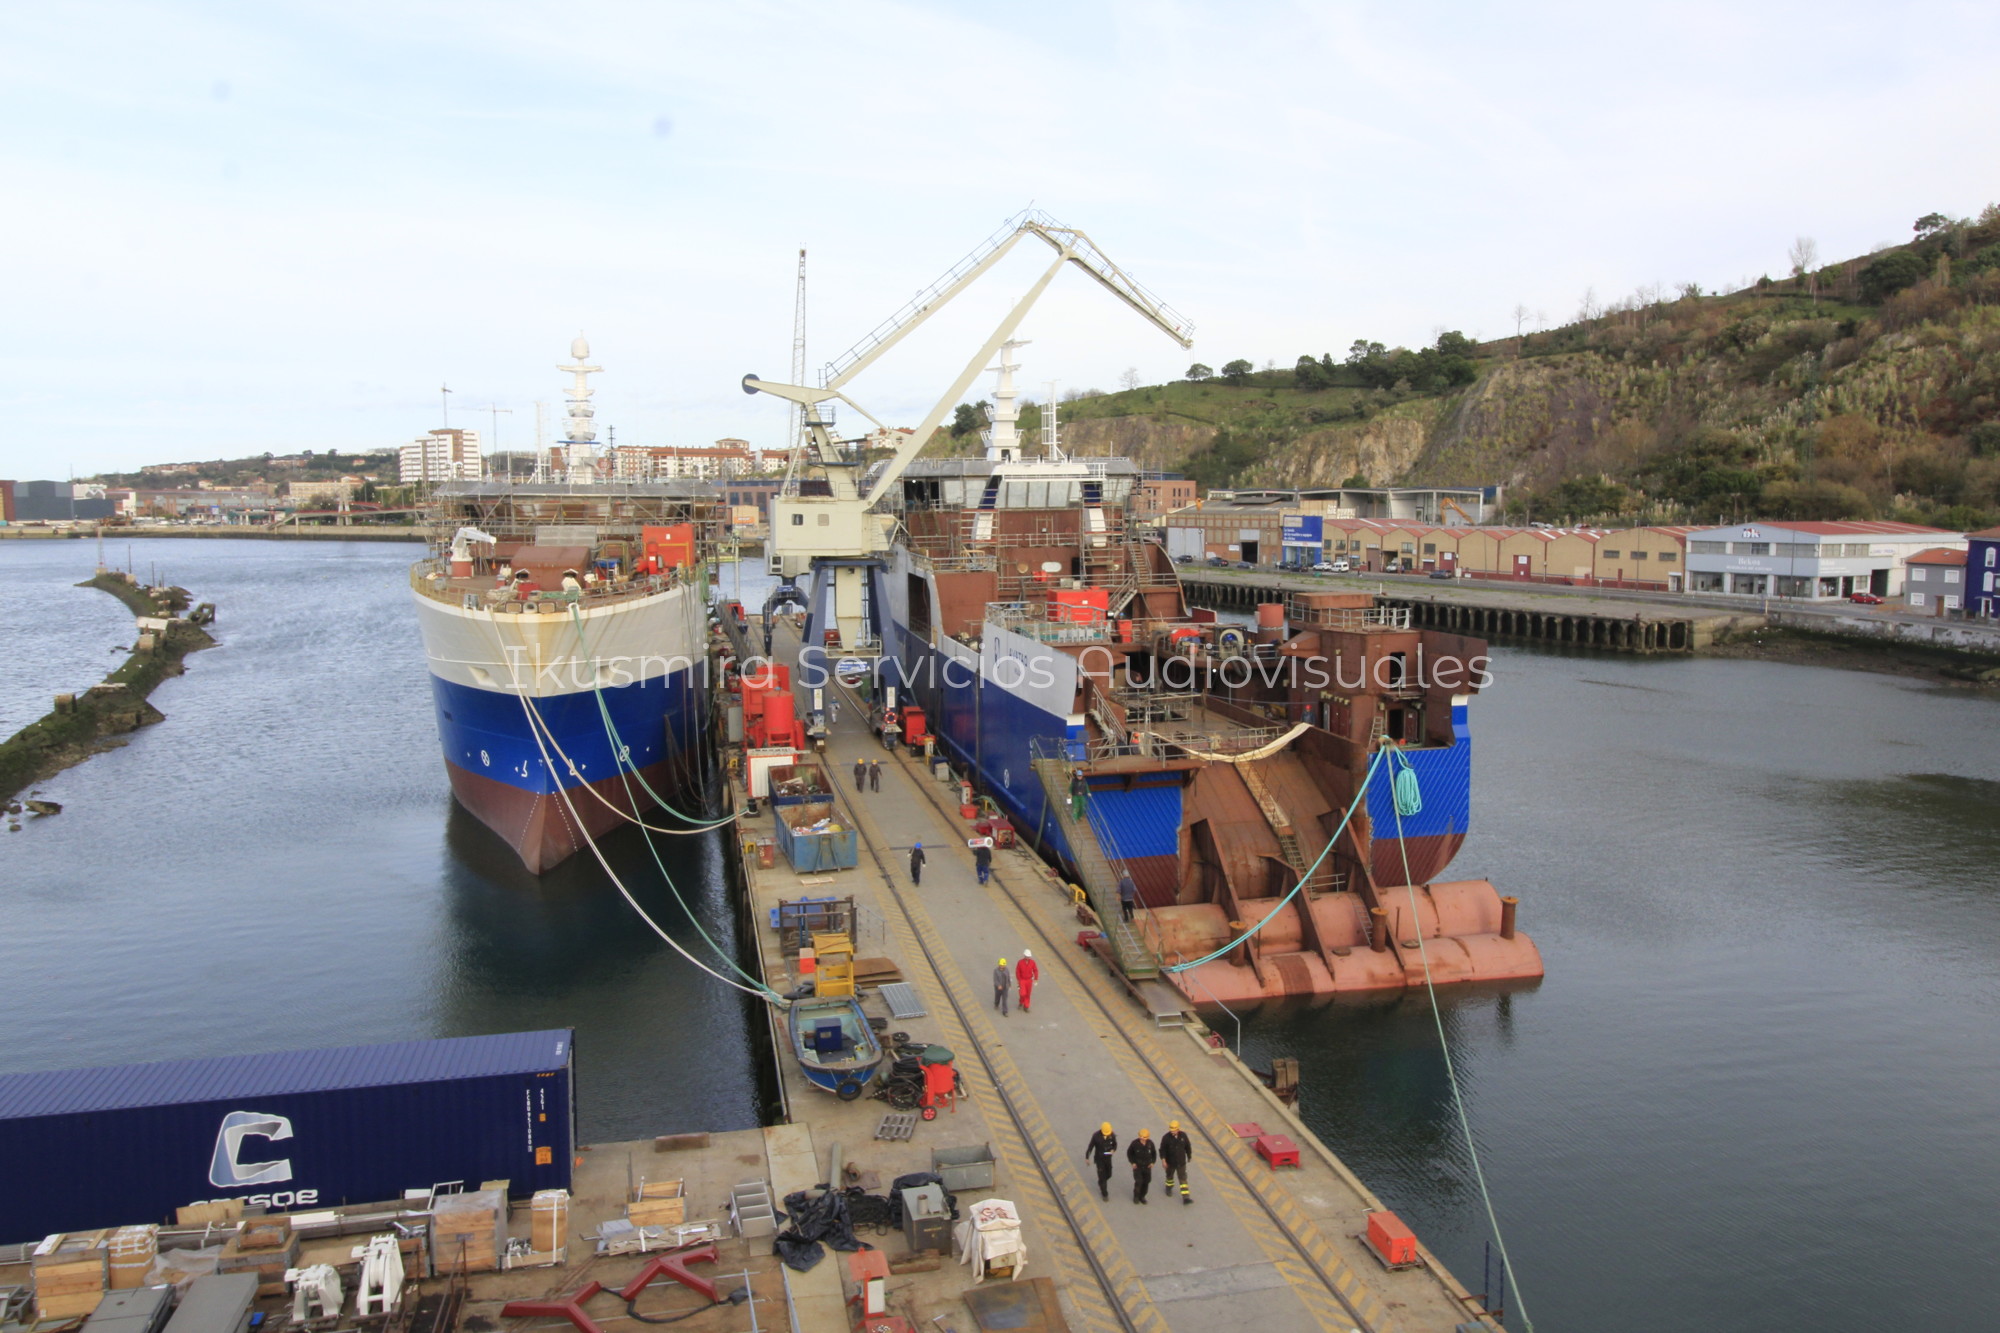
(236, 229)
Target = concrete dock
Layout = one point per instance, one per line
(1258, 1248)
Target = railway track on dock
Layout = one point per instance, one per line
(1328, 1288)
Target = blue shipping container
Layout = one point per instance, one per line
(89, 1148)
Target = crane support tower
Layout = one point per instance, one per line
(825, 522)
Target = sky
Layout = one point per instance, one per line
(236, 228)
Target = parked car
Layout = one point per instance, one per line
(1325, 567)
(1444, 574)
(1343, 566)
(1865, 598)
(1218, 562)
(1245, 564)
(1183, 559)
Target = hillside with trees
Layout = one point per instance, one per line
(1867, 387)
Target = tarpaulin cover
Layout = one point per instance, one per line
(814, 1218)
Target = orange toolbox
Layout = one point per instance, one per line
(1393, 1242)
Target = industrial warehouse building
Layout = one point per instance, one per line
(1814, 561)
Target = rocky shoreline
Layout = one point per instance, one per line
(80, 725)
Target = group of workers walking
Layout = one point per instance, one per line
(1026, 973)
(867, 776)
(1173, 1153)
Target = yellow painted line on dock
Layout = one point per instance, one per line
(1227, 1186)
(911, 925)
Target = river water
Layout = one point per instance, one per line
(1756, 1090)
(280, 863)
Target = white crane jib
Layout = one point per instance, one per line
(839, 524)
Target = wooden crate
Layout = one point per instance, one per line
(469, 1231)
(132, 1251)
(66, 1307)
(70, 1274)
(659, 1203)
(240, 1257)
(548, 1220)
(208, 1214)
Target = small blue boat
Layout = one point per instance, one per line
(835, 1046)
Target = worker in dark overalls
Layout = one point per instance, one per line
(860, 774)
(1175, 1151)
(1103, 1147)
(917, 863)
(1141, 1154)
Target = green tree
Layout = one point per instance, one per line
(1309, 374)
(1455, 343)
(1358, 482)
(1929, 225)
(1891, 274)
(967, 418)
(1198, 372)
(1237, 372)
(1220, 462)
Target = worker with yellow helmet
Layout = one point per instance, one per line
(1141, 1153)
(1101, 1153)
(1175, 1151)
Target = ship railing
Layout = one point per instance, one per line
(1156, 706)
(958, 563)
(1347, 618)
(1027, 620)
(431, 578)
(1154, 743)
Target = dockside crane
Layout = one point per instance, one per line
(827, 522)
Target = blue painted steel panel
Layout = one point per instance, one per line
(88, 1148)
(1144, 821)
(1444, 777)
(489, 733)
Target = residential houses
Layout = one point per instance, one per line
(1982, 573)
(1934, 580)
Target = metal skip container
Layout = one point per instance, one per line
(89, 1148)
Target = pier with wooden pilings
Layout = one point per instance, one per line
(1487, 611)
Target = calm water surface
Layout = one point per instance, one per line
(1757, 1088)
(1756, 1091)
(280, 863)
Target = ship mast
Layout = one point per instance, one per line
(1003, 442)
(580, 434)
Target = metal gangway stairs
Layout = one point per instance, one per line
(1099, 876)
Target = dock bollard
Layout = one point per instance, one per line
(1378, 930)
(1507, 906)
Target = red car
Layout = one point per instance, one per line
(1865, 598)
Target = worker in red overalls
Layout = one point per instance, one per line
(1026, 973)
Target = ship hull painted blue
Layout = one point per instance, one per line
(1130, 824)
(1004, 726)
(488, 733)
